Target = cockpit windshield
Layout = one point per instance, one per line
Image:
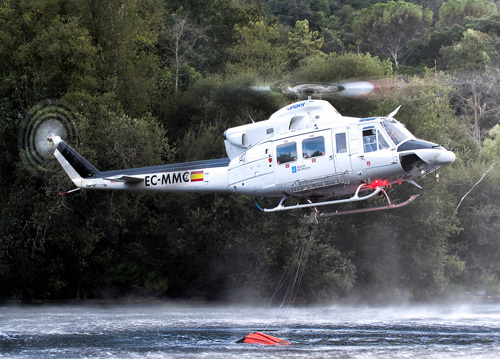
(396, 131)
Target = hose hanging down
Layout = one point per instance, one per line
(293, 274)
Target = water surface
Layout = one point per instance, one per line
(164, 330)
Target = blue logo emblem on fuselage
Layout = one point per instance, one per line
(294, 169)
(297, 105)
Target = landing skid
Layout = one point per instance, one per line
(354, 198)
(315, 214)
(313, 217)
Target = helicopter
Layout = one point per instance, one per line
(306, 151)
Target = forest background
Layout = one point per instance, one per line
(145, 82)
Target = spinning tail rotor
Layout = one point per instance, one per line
(45, 120)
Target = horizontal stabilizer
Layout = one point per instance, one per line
(126, 179)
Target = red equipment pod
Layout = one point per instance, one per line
(260, 338)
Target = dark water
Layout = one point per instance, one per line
(182, 331)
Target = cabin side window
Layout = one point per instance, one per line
(341, 142)
(369, 139)
(313, 147)
(286, 153)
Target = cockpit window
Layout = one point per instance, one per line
(396, 131)
(373, 140)
(369, 139)
(382, 143)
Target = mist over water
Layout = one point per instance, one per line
(161, 330)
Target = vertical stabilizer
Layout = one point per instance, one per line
(73, 163)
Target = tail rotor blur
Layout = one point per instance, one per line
(45, 120)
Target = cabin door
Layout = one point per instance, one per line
(342, 150)
(376, 155)
(304, 157)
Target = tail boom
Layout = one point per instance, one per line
(158, 179)
(198, 176)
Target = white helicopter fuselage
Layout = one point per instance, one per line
(305, 150)
(311, 150)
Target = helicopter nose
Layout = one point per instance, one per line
(445, 157)
(436, 156)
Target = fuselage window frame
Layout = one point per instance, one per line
(316, 145)
(341, 142)
(370, 143)
(286, 153)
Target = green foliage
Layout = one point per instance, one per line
(221, 102)
(258, 50)
(428, 52)
(44, 54)
(469, 55)
(491, 145)
(330, 272)
(478, 242)
(302, 43)
(387, 27)
(336, 67)
(110, 61)
(63, 57)
(453, 12)
(426, 111)
(469, 61)
(487, 24)
(220, 19)
(290, 12)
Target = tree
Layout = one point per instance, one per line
(336, 67)
(289, 12)
(44, 54)
(125, 33)
(426, 110)
(469, 61)
(259, 50)
(427, 52)
(475, 184)
(179, 40)
(387, 28)
(302, 43)
(491, 145)
(219, 18)
(487, 24)
(453, 12)
(64, 58)
(433, 5)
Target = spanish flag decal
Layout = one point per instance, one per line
(196, 176)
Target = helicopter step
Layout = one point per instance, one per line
(320, 182)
